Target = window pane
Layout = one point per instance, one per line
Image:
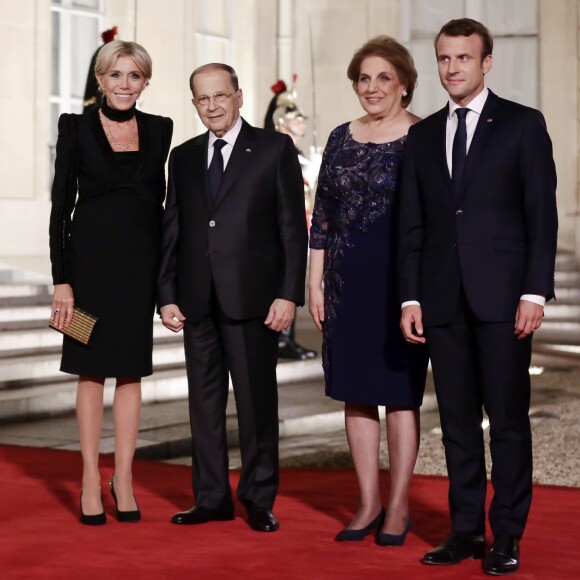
(85, 39)
(214, 17)
(55, 60)
(514, 74)
(212, 50)
(511, 16)
(86, 3)
(429, 95)
(427, 17)
(54, 114)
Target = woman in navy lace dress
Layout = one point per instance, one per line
(353, 286)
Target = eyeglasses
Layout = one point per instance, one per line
(218, 98)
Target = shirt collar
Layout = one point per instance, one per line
(230, 137)
(476, 105)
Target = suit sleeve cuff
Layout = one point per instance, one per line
(410, 303)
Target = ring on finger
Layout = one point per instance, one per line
(56, 310)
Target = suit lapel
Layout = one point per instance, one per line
(483, 130)
(199, 167)
(239, 158)
(441, 139)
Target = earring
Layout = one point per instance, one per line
(405, 93)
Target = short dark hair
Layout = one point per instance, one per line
(467, 27)
(215, 66)
(388, 48)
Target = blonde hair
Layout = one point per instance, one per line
(110, 52)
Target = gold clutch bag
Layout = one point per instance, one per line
(81, 326)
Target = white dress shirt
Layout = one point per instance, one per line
(230, 139)
(475, 107)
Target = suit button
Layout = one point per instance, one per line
(459, 212)
(212, 224)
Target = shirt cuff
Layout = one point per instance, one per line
(410, 303)
(535, 298)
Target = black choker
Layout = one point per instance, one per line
(116, 114)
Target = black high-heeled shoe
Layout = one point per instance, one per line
(383, 539)
(348, 535)
(94, 520)
(131, 516)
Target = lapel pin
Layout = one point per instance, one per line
(489, 120)
(248, 150)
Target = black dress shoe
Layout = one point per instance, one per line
(456, 547)
(504, 556)
(384, 539)
(262, 520)
(93, 520)
(201, 515)
(130, 516)
(289, 349)
(349, 535)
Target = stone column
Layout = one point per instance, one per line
(559, 87)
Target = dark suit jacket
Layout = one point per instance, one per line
(251, 244)
(497, 237)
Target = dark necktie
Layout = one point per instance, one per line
(459, 151)
(215, 170)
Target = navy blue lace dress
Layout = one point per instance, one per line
(365, 358)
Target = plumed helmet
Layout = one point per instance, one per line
(109, 35)
(283, 106)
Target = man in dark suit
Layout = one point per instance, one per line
(233, 266)
(477, 255)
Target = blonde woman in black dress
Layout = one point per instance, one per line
(109, 170)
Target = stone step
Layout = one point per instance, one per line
(566, 278)
(567, 295)
(556, 354)
(58, 397)
(11, 275)
(564, 332)
(46, 340)
(566, 262)
(28, 317)
(25, 294)
(556, 310)
(44, 368)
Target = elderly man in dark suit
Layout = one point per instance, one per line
(232, 273)
(477, 255)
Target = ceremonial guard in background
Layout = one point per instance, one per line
(93, 98)
(284, 115)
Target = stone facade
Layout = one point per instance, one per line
(260, 42)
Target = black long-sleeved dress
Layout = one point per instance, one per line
(104, 239)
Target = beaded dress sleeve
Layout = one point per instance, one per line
(326, 200)
(63, 196)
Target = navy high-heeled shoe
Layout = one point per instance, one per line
(348, 535)
(94, 520)
(124, 516)
(383, 539)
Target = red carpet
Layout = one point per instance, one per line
(41, 536)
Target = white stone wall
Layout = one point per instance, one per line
(559, 85)
(24, 123)
(168, 30)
